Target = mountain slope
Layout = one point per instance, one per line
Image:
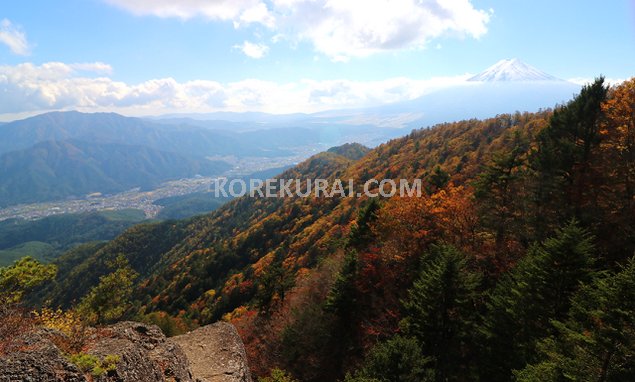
(314, 283)
(205, 250)
(247, 255)
(56, 170)
(352, 151)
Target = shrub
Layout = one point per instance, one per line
(92, 364)
(278, 375)
(68, 322)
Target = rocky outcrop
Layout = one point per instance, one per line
(38, 359)
(216, 353)
(143, 352)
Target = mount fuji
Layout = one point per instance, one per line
(506, 87)
(512, 70)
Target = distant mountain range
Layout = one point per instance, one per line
(58, 155)
(192, 141)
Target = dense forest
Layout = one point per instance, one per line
(46, 238)
(516, 264)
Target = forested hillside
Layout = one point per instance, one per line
(514, 264)
(46, 238)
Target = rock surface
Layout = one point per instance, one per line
(216, 353)
(145, 355)
(38, 360)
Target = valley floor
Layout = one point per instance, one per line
(133, 199)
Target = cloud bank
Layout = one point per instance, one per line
(335, 28)
(29, 88)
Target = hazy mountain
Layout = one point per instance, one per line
(114, 128)
(286, 130)
(56, 170)
(242, 118)
(167, 145)
(212, 124)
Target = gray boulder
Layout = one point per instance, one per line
(145, 355)
(216, 353)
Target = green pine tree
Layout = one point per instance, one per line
(398, 359)
(21, 277)
(274, 283)
(341, 298)
(597, 341)
(361, 232)
(562, 160)
(535, 292)
(109, 301)
(438, 179)
(497, 190)
(441, 312)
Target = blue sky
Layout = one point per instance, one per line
(152, 56)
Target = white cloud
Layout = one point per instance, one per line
(94, 67)
(59, 86)
(339, 29)
(258, 13)
(358, 28)
(239, 11)
(14, 38)
(253, 50)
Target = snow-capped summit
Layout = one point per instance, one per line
(512, 70)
